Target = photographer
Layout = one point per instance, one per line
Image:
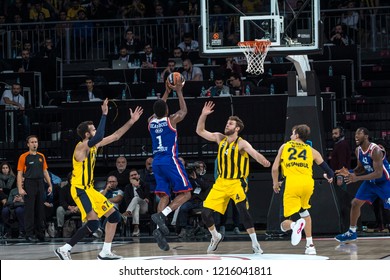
(200, 189)
(137, 199)
(13, 212)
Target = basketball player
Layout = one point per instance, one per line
(168, 169)
(233, 170)
(93, 204)
(374, 170)
(296, 158)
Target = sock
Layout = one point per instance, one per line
(353, 228)
(253, 237)
(309, 241)
(292, 225)
(67, 247)
(214, 233)
(106, 247)
(166, 211)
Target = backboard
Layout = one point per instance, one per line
(292, 26)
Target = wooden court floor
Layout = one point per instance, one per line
(374, 247)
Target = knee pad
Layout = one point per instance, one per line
(244, 215)
(114, 217)
(304, 214)
(92, 225)
(207, 217)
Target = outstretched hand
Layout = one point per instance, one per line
(136, 114)
(105, 107)
(208, 108)
(343, 172)
(330, 180)
(348, 177)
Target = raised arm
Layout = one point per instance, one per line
(179, 115)
(208, 108)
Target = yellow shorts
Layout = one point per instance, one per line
(297, 193)
(89, 199)
(222, 191)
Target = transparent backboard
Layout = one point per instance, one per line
(292, 26)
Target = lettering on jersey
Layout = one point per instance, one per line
(158, 125)
(297, 164)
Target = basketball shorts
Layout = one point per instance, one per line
(369, 191)
(172, 177)
(297, 193)
(222, 191)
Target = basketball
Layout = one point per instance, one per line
(175, 78)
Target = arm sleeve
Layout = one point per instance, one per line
(99, 132)
(327, 169)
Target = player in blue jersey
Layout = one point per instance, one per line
(168, 169)
(374, 170)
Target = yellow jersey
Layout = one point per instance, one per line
(82, 174)
(231, 163)
(297, 159)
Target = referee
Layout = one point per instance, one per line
(32, 169)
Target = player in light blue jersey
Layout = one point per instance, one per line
(374, 170)
(168, 169)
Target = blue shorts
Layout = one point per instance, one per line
(369, 191)
(171, 177)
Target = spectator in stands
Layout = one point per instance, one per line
(48, 50)
(171, 67)
(351, 20)
(73, 11)
(231, 66)
(237, 85)
(178, 53)
(18, 8)
(67, 207)
(191, 73)
(135, 10)
(13, 211)
(137, 200)
(3, 202)
(61, 30)
(189, 44)
(200, 189)
(339, 37)
(219, 88)
(217, 22)
(83, 30)
(7, 178)
(123, 54)
(28, 63)
(121, 172)
(147, 178)
(95, 10)
(13, 99)
(94, 94)
(36, 9)
(149, 59)
(131, 42)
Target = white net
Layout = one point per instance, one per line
(255, 53)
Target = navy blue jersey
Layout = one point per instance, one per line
(365, 158)
(164, 141)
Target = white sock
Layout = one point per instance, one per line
(309, 241)
(353, 228)
(167, 211)
(253, 237)
(214, 233)
(66, 247)
(106, 247)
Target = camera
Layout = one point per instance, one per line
(192, 166)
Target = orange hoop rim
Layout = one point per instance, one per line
(261, 43)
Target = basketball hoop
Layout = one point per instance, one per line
(255, 53)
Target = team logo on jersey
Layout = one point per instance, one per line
(158, 130)
(104, 208)
(226, 152)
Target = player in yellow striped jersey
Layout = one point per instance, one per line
(296, 159)
(233, 170)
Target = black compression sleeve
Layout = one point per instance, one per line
(327, 169)
(99, 132)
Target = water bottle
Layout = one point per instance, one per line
(18, 80)
(270, 72)
(123, 94)
(174, 93)
(272, 89)
(158, 77)
(247, 90)
(153, 93)
(135, 81)
(330, 71)
(68, 98)
(211, 75)
(116, 50)
(209, 61)
(203, 92)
